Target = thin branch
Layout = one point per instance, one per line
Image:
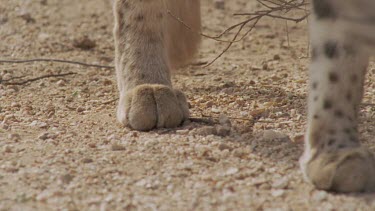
(110, 101)
(230, 44)
(273, 6)
(18, 61)
(12, 79)
(230, 117)
(36, 79)
(55, 60)
(286, 7)
(216, 38)
(297, 20)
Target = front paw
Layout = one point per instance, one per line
(346, 170)
(150, 106)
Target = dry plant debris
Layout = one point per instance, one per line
(62, 148)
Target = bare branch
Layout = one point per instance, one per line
(273, 7)
(34, 79)
(55, 60)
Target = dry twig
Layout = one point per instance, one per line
(273, 8)
(19, 61)
(8, 82)
(15, 61)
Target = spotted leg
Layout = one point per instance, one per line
(333, 158)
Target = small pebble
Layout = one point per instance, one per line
(14, 137)
(44, 196)
(265, 66)
(182, 132)
(61, 83)
(209, 104)
(43, 37)
(205, 131)
(224, 120)
(43, 125)
(222, 130)
(15, 105)
(271, 135)
(239, 153)
(7, 76)
(277, 193)
(224, 146)
(319, 196)
(281, 183)
(231, 171)
(43, 136)
(80, 109)
(215, 110)
(87, 160)
(117, 147)
(66, 178)
(27, 16)
(7, 149)
(219, 4)
(107, 82)
(84, 43)
(92, 145)
(276, 57)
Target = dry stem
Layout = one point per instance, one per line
(273, 8)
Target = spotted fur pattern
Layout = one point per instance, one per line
(150, 43)
(342, 36)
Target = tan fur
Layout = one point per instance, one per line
(149, 42)
(181, 42)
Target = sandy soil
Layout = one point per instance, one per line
(62, 149)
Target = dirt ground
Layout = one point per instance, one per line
(62, 148)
